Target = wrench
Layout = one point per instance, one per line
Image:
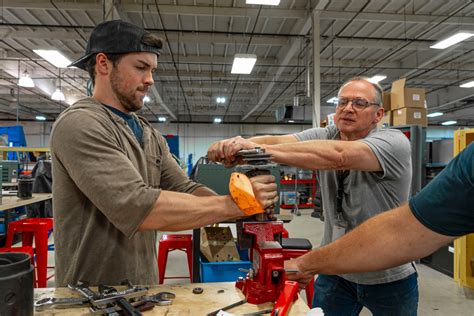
(51, 302)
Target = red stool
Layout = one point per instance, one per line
(172, 242)
(26, 249)
(293, 248)
(37, 228)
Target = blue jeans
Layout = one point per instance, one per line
(339, 297)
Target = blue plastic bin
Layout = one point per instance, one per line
(227, 271)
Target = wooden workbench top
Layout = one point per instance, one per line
(9, 202)
(185, 303)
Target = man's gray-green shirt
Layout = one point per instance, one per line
(367, 194)
(105, 183)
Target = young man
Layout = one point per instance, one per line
(114, 179)
(440, 213)
(363, 171)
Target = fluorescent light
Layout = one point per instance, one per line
(449, 123)
(434, 114)
(26, 81)
(263, 2)
(469, 84)
(40, 118)
(377, 78)
(454, 39)
(146, 99)
(220, 100)
(54, 57)
(291, 121)
(333, 100)
(58, 95)
(243, 63)
(162, 119)
(217, 120)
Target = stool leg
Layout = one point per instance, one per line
(41, 247)
(162, 258)
(10, 234)
(309, 293)
(189, 253)
(27, 239)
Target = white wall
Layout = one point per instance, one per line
(193, 138)
(36, 133)
(196, 138)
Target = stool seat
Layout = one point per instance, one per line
(170, 242)
(296, 243)
(37, 228)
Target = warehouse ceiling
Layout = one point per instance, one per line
(357, 37)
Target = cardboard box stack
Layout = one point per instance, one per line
(407, 105)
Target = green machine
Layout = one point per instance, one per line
(216, 177)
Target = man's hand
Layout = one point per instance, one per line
(303, 278)
(225, 150)
(265, 190)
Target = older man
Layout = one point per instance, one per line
(363, 171)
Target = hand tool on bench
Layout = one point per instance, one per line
(265, 281)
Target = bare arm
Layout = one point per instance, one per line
(326, 154)
(386, 240)
(221, 150)
(313, 154)
(274, 140)
(174, 211)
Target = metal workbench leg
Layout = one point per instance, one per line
(196, 255)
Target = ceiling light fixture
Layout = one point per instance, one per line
(220, 100)
(243, 63)
(217, 120)
(469, 84)
(263, 2)
(453, 39)
(146, 99)
(434, 114)
(449, 123)
(377, 78)
(162, 119)
(291, 121)
(40, 118)
(58, 95)
(26, 81)
(54, 57)
(333, 100)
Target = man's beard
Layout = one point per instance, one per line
(129, 101)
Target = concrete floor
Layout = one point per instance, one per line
(439, 294)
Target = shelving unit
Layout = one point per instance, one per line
(290, 189)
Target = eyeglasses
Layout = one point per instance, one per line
(357, 103)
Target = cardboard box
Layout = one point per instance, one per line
(386, 101)
(403, 97)
(387, 120)
(217, 244)
(410, 116)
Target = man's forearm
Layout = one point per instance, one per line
(387, 240)
(325, 155)
(273, 140)
(174, 211)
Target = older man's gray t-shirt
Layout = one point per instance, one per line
(367, 194)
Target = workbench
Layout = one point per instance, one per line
(9, 202)
(214, 296)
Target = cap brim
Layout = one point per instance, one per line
(81, 62)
